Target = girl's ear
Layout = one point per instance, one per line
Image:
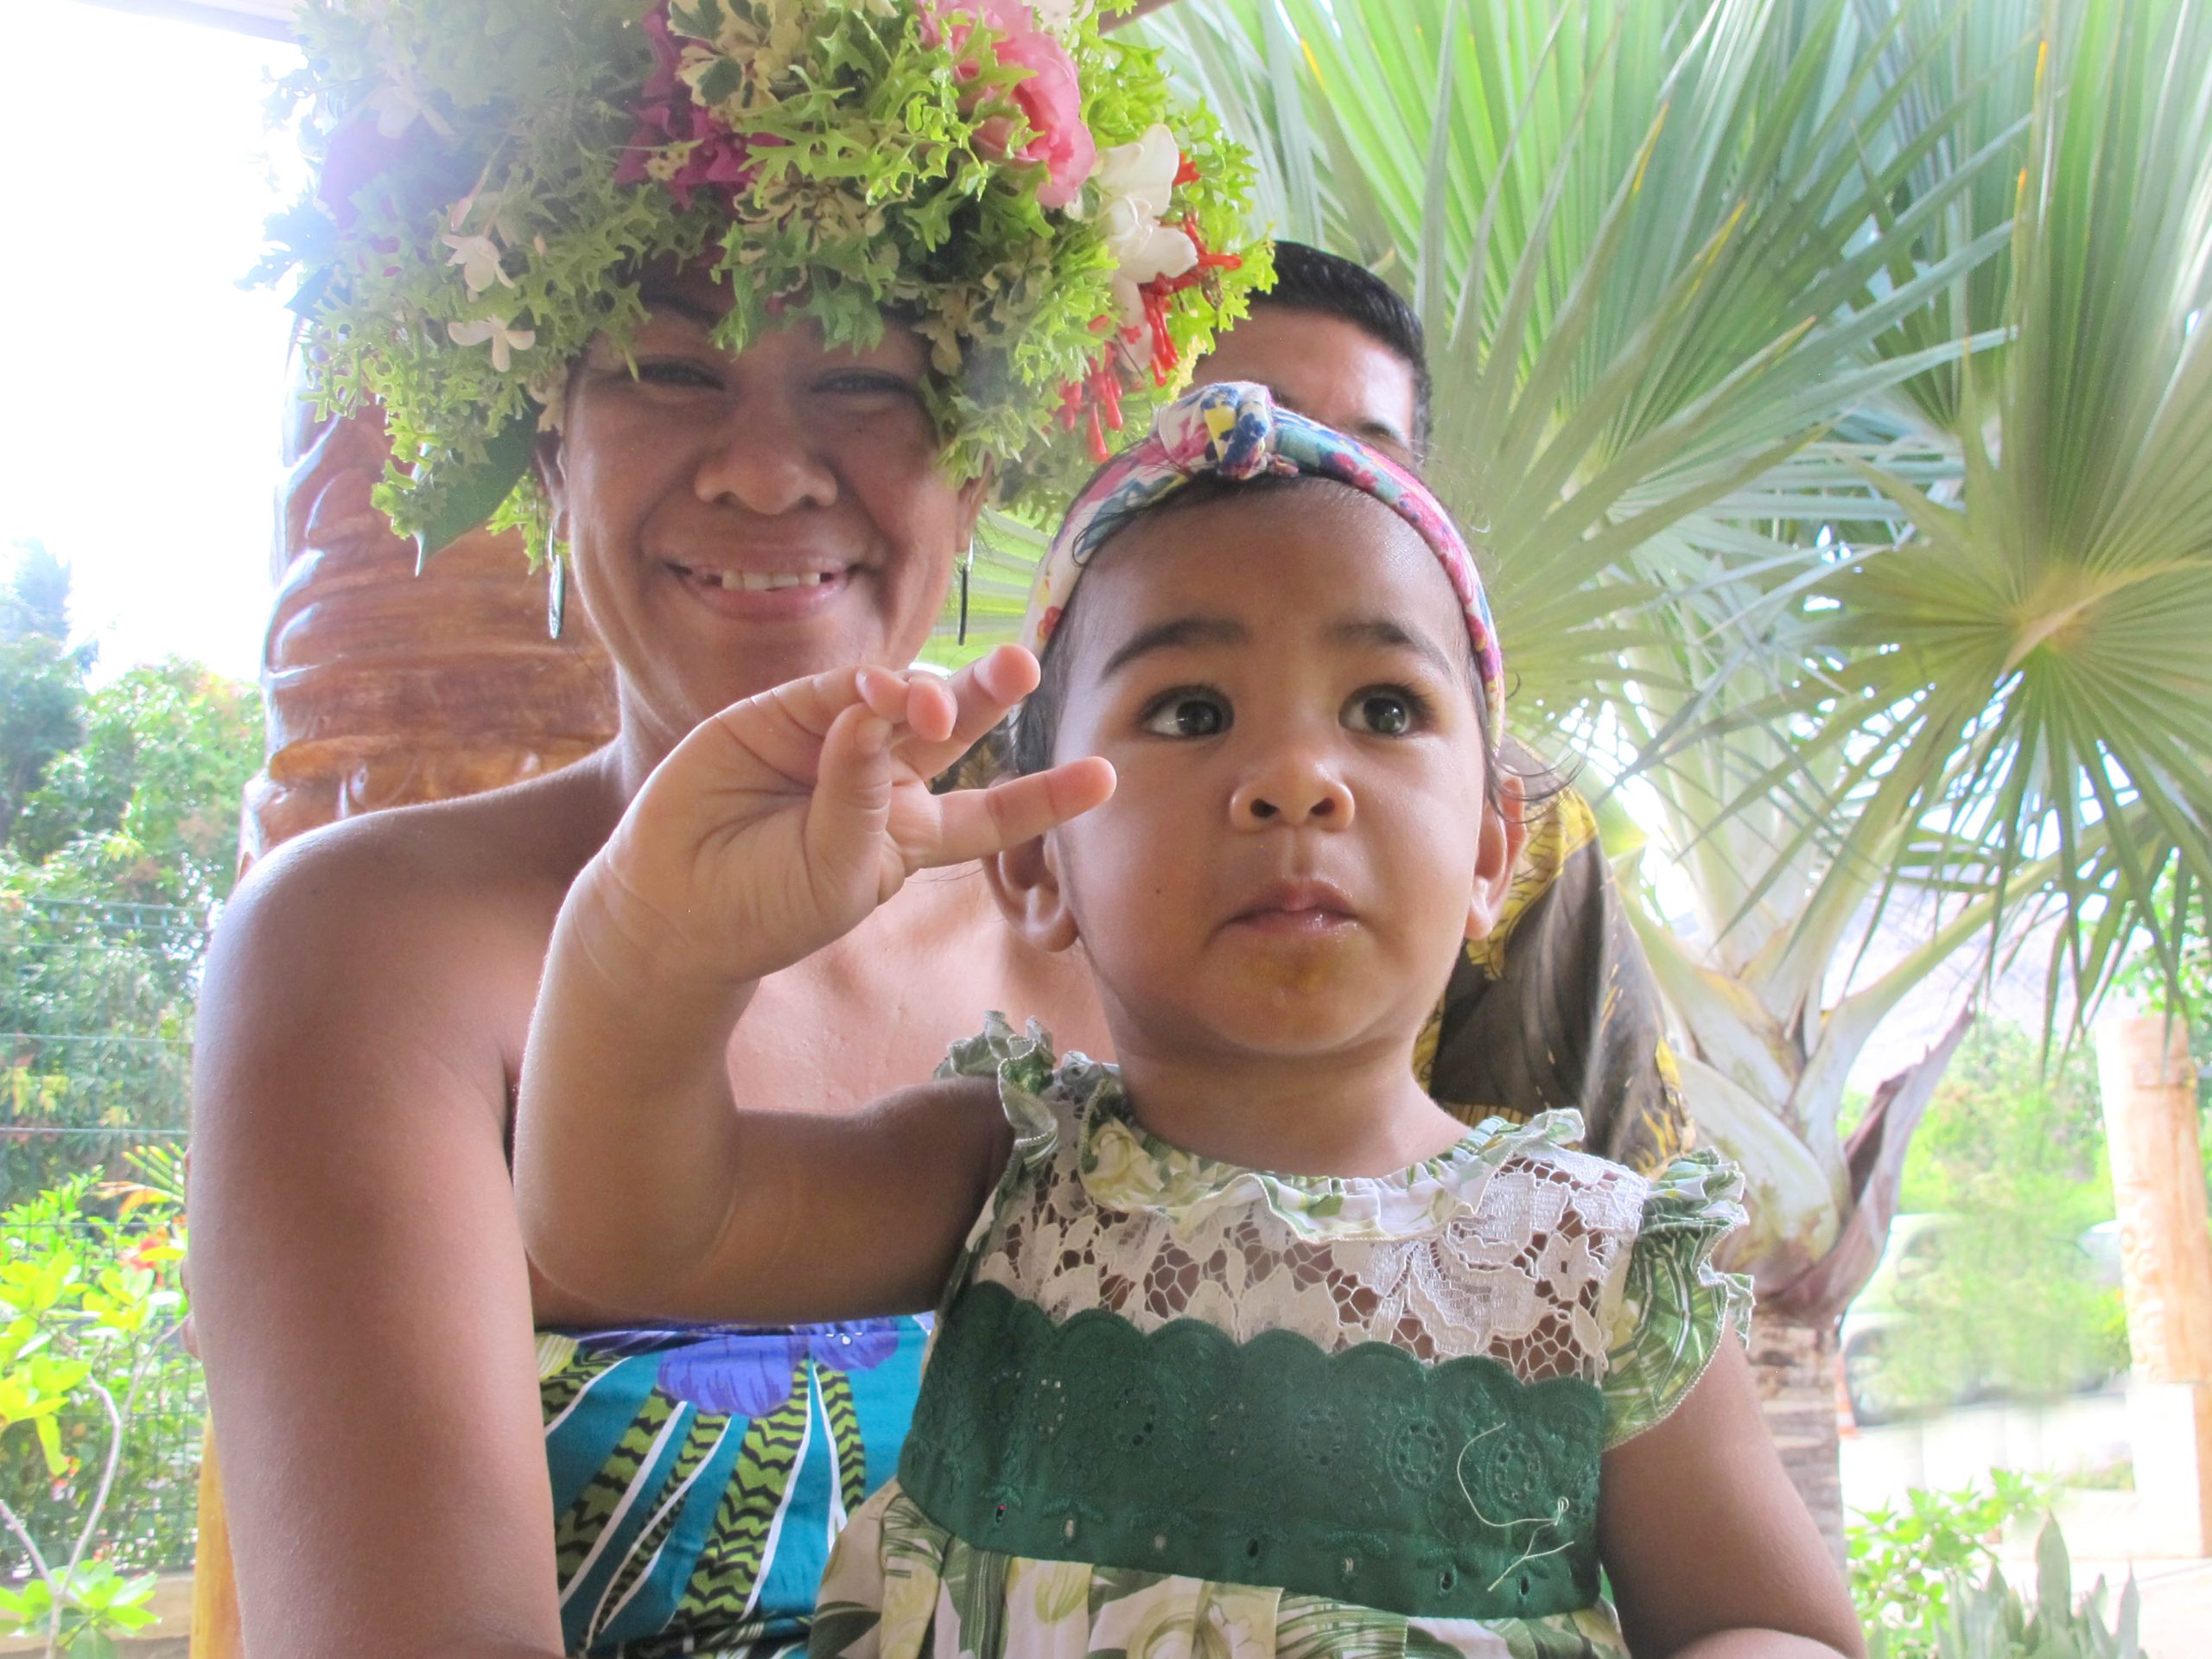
(1025, 880)
(1504, 830)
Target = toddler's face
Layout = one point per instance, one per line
(1299, 843)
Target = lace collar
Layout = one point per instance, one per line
(1124, 1167)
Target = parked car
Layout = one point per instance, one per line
(1910, 1347)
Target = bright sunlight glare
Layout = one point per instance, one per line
(139, 440)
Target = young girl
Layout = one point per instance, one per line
(1251, 1348)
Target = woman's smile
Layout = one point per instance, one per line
(776, 590)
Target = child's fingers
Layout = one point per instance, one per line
(786, 725)
(981, 693)
(976, 823)
(933, 714)
(915, 698)
(852, 790)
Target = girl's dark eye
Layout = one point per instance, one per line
(1187, 713)
(1384, 713)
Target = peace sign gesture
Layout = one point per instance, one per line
(780, 823)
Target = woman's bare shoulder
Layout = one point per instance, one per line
(419, 929)
(448, 866)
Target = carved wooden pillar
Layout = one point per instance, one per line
(2149, 1085)
(384, 688)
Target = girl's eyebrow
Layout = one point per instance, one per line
(1380, 630)
(1177, 633)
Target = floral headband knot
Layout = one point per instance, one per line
(1234, 431)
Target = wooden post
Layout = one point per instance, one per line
(2149, 1085)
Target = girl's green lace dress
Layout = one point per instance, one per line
(1175, 1407)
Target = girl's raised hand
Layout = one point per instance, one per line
(780, 823)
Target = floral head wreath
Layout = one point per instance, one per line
(495, 177)
(1234, 431)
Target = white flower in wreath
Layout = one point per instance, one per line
(479, 259)
(1059, 17)
(398, 108)
(1135, 182)
(548, 389)
(504, 340)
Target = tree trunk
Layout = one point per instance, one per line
(1795, 1365)
(2149, 1085)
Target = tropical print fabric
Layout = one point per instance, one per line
(700, 1474)
(1425, 1436)
(1557, 1009)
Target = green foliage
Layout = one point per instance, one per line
(2013, 1157)
(1998, 1119)
(37, 598)
(126, 794)
(41, 680)
(90, 1369)
(2014, 693)
(1989, 1620)
(144, 807)
(107, 874)
(110, 861)
(1905, 1563)
(97, 1605)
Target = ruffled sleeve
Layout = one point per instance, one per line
(1671, 1303)
(1023, 1066)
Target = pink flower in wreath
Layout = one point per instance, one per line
(1050, 97)
(676, 141)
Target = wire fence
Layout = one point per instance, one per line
(96, 1015)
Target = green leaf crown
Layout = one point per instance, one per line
(493, 176)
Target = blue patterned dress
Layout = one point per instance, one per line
(700, 1474)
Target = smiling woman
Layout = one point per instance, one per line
(792, 499)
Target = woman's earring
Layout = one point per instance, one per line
(967, 563)
(557, 591)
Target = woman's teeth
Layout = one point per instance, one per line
(761, 582)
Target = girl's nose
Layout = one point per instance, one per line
(766, 465)
(1297, 792)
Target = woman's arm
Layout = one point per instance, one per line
(1711, 1552)
(362, 1302)
(646, 1180)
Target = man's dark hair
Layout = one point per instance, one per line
(1308, 279)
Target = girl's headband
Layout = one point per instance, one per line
(1234, 431)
